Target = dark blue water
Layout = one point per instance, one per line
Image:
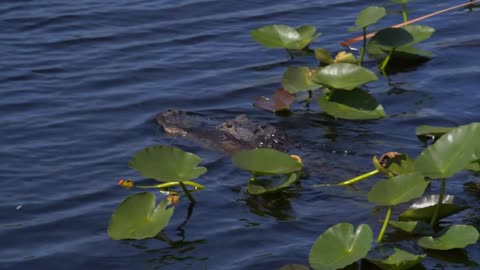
(81, 81)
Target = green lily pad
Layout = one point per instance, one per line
(456, 236)
(345, 76)
(340, 246)
(399, 260)
(368, 16)
(266, 185)
(298, 79)
(451, 153)
(426, 132)
(323, 56)
(474, 165)
(266, 161)
(412, 227)
(284, 36)
(167, 164)
(356, 104)
(399, 189)
(419, 32)
(344, 57)
(138, 218)
(388, 39)
(423, 208)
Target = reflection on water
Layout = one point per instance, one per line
(277, 205)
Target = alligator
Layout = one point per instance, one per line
(229, 137)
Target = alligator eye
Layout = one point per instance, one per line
(229, 125)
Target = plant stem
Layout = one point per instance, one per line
(385, 224)
(189, 195)
(358, 178)
(171, 184)
(290, 54)
(309, 99)
(386, 60)
(362, 51)
(439, 203)
(404, 12)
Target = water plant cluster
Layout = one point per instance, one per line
(338, 85)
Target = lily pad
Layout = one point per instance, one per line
(394, 163)
(266, 185)
(284, 36)
(167, 164)
(423, 208)
(280, 102)
(298, 79)
(356, 104)
(399, 260)
(344, 57)
(451, 153)
(138, 218)
(323, 56)
(456, 236)
(412, 227)
(266, 161)
(426, 132)
(340, 246)
(399, 189)
(345, 76)
(369, 16)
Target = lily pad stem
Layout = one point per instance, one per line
(358, 178)
(197, 186)
(386, 60)
(439, 203)
(309, 99)
(187, 192)
(385, 224)
(362, 51)
(404, 12)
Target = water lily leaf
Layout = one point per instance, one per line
(266, 185)
(474, 165)
(456, 236)
(323, 56)
(451, 153)
(399, 189)
(340, 246)
(423, 208)
(167, 164)
(412, 227)
(266, 161)
(281, 101)
(388, 39)
(344, 57)
(138, 218)
(343, 76)
(399, 260)
(284, 36)
(369, 16)
(355, 104)
(298, 79)
(426, 132)
(419, 32)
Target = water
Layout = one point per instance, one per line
(81, 82)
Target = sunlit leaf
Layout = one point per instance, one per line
(284, 36)
(340, 246)
(167, 164)
(423, 208)
(451, 153)
(323, 56)
(456, 236)
(431, 132)
(344, 57)
(138, 218)
(343, 76)
(399, 260)
(355, 105)
(399, 189)
(266, 161)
